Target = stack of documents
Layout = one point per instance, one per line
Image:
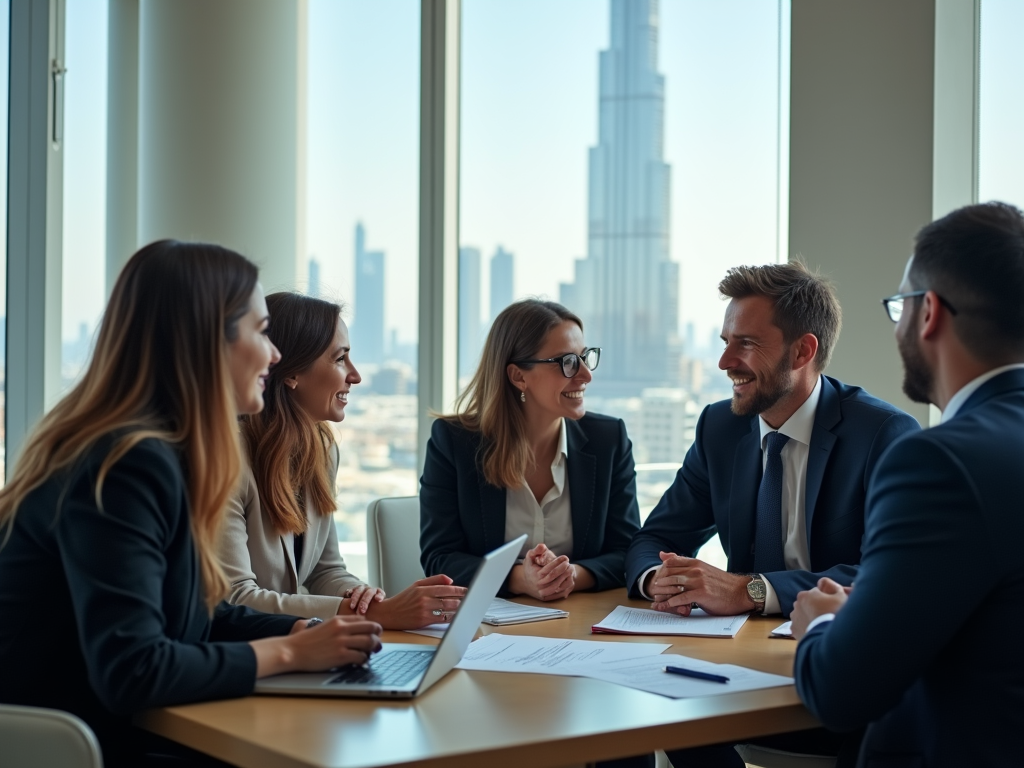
(641, 621)
(500, 614)
(634, 665)
(503, 612)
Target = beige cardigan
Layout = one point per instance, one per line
(260, 561)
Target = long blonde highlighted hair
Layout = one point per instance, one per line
(490, 404)
(159, 370)
(288, 451)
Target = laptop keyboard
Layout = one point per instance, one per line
(394, 668)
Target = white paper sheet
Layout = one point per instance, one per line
(504, 612)
(642, 621)
(431, 630)
(548, 655)
(783, 630)
(648, 674)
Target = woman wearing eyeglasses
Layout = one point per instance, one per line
(522, 455)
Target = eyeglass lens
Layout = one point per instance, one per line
(571, 362)
(895, 307)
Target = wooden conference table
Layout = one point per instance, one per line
(500, 719)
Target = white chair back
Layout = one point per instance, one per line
(43, 738)
(393, 543)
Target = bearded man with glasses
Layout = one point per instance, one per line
(779, 472)
(947, 688)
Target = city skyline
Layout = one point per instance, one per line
(627, 288)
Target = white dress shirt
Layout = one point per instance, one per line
(795, 548)
(549, 521)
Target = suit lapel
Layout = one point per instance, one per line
(581, 477)
(820, 449)
(1008, 381)
(746, 474)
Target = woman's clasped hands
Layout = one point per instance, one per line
(543, 575)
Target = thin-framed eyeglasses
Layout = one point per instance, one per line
(570, 362)
(894, 304)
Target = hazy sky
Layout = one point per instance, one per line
(529, 115)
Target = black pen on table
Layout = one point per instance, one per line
(698, 675)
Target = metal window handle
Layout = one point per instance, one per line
(57, 71)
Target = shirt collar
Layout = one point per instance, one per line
(956, 402)
(799, 426)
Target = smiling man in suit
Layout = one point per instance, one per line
(780, 471)
(942, 684)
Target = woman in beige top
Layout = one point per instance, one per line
(279, 535)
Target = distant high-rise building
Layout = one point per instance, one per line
(314, 278)
(501, 281)
(368, 319)
(627, 288)
(469, 310)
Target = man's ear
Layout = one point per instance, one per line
(805, 349)
(931, 317)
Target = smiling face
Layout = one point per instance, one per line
(548, 393)
(321, 391)
(251, 354)
(756, 357)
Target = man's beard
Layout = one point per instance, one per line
(917, 377)
(770, 388)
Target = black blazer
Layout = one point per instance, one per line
(927, 649)
(716, 489)
(462, 516)
(102, 612)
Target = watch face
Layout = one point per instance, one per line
(756, 590)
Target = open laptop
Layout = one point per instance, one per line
(402, 671)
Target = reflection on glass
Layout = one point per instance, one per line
(362, 236)
(621, 168)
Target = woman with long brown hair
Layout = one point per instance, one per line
(110, 585)
(522, 455)
(280, 532)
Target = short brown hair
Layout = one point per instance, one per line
(805, 302)
(974, 258)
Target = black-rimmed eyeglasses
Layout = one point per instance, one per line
(570, 362)
(894, 304)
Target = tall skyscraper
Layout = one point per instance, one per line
(368, 319)
(314, 278)
(627, 288)
(501, 281)
(469, 310)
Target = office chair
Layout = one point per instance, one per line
(43, 738)
(393, 543)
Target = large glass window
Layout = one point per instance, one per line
(621, 167)
(363, 238)
(5, 41)
(1001, 110)
(85, 177)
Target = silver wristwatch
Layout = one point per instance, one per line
(757, 591)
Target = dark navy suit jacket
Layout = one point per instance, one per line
(716, 489)
(462, 516)
(928, 647)
(102, 613)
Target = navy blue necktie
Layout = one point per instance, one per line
(768, 554)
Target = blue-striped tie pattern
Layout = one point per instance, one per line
(768, 554)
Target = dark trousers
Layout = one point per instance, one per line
(816, 741)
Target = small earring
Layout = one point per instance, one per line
(293, 384)
(522, 397)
